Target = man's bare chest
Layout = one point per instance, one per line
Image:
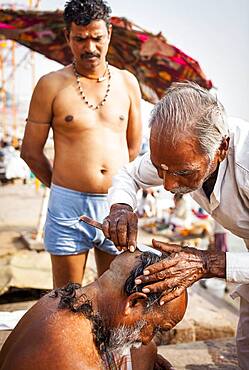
(70, 110)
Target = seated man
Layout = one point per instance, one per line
(94, 327)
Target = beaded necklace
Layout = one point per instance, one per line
(100, 79)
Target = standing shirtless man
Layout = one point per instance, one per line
(94, 111)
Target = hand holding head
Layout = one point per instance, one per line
(181, 269)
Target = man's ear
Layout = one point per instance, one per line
(66, 34)
(223, 148)
(136, 302)
(110, 31)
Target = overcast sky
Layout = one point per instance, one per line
(214, 32)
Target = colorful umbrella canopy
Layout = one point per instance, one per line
(149, 57)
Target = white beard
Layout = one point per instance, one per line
(123, 338)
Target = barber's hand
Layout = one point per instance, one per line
(182, 268)
(162, 364)
(121, 227)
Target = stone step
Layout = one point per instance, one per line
(207, 317)
(203, 355)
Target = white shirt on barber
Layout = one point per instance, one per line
(229, 201)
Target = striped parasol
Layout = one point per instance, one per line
(154, 61)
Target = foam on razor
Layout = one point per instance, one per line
(146, 248)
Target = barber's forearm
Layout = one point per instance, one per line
(123, 190)
(216, 265)
(41, 168)
(121, 206)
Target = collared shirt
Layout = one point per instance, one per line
(229, 201)
(115, 361)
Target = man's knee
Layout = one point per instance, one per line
(68, 269)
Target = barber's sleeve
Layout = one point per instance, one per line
(137, 174)
(237, 267)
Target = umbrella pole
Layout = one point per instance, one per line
(3, 92)
(13, 106)
(32, 56)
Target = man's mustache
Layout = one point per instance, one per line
(89, 55)
(181, 190)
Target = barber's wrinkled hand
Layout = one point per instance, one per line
(181, 269)
(121, 227)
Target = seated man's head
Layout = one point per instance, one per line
(121, 314)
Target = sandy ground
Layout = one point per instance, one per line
(20, 207)
(20, 210)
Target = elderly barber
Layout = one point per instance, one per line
(194, 149)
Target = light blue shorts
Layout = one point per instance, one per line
(64, 233)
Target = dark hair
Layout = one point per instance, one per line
(82, 12)
(69, 300)
(145, 259)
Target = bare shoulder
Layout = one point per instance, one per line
(48, 303)
(53, 81)
(126, 76)
(129, 80)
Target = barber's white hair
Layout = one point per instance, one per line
(188, 109)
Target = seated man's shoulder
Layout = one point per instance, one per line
(51, 323)
(45, 309)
